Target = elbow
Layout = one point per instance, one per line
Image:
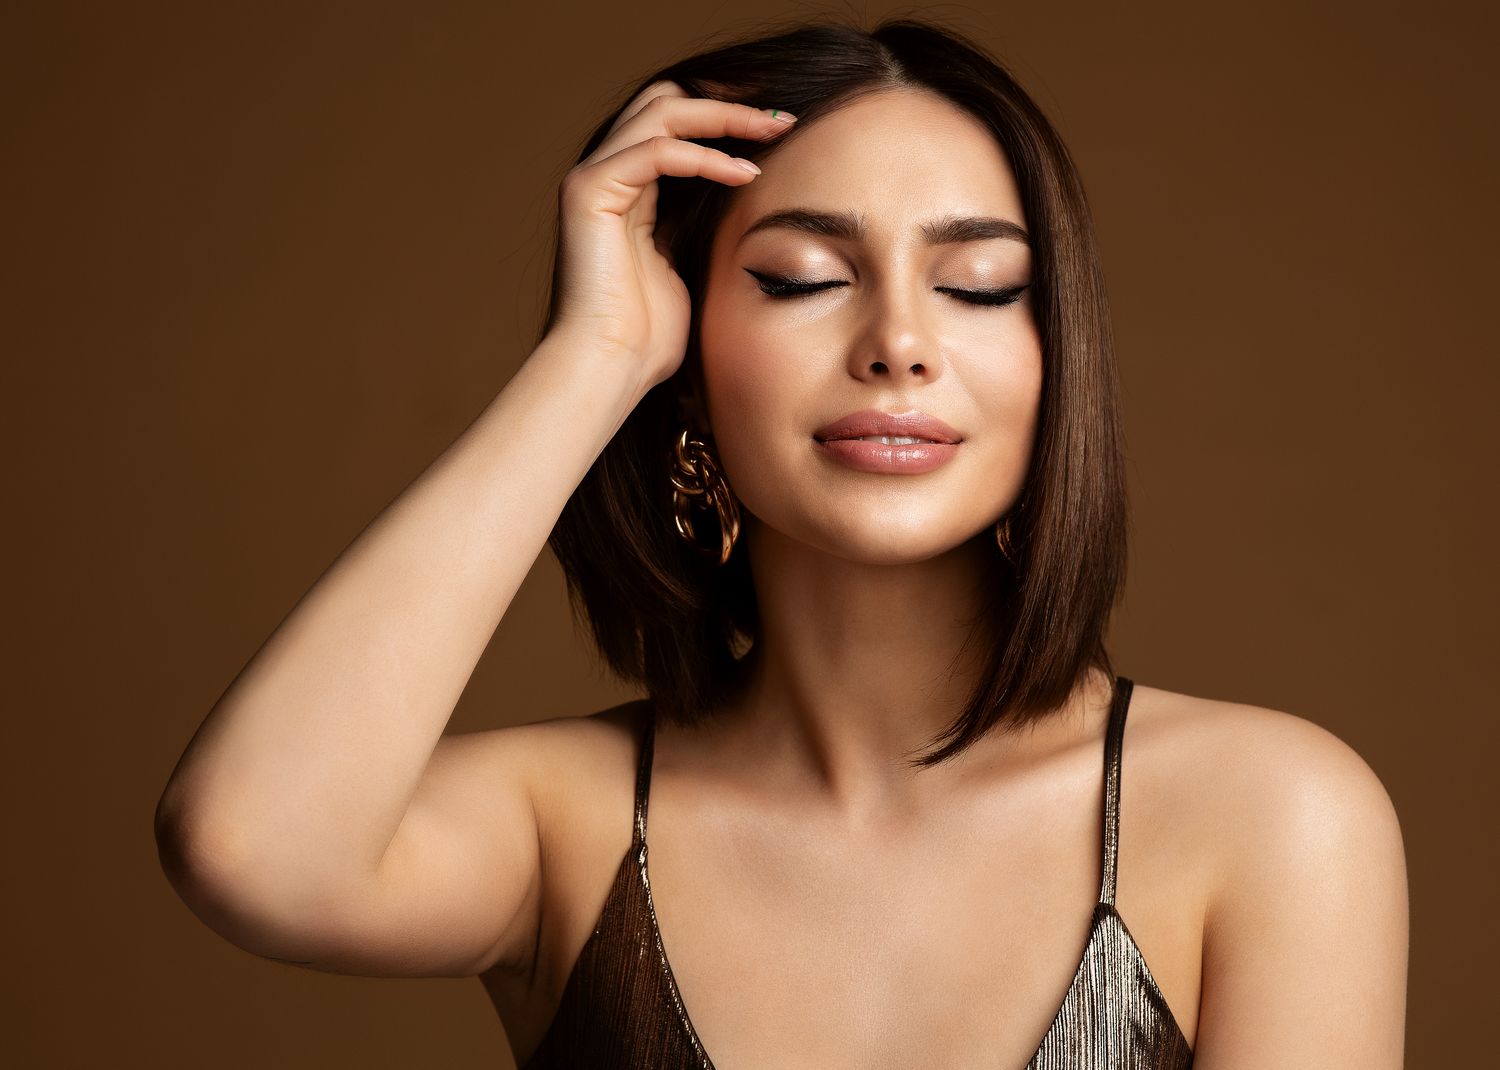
(260, 902)
(198, 859)
(206, 864)
(195, 848)
(171, 826)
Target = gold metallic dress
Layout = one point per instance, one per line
(621, 1008)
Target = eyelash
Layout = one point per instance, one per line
(782, 287)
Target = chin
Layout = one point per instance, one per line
(873, 541)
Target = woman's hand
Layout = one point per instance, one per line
(618, 291)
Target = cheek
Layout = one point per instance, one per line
(762, 383)
(1004, 373)
(1001, 373)
(754, 375)
(1019, 385)
(1020, 395)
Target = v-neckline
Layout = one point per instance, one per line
(1102, 910)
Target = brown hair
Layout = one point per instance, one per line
(674, 622)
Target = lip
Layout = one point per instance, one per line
(840, 440)
(913, 424)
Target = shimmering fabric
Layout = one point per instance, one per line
(621, 1008)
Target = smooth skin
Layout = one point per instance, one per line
(822, 904)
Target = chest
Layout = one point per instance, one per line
(740, 936)
(803, 951)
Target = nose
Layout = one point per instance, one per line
(897, 342)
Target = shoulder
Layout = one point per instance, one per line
(550, 758)
(567, 744)
(1306, 913)
(1275, 784)
(574, 741)
(575, 777)
(579, 769)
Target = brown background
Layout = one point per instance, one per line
(265, 261)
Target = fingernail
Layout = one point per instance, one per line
(746, 164)
(783, 116)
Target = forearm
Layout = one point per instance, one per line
(306, 764)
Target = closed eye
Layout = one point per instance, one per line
(784, 286)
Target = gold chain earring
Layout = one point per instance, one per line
(696, 476)
(1003, 535)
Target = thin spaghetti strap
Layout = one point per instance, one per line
(643, 777)
(1113, 739)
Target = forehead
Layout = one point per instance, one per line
(898, 158)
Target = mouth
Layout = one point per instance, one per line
(889, 429)
(904, 457)
(888, 443)
(884, 440)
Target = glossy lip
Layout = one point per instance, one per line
(910, 459)
(913, 424)
(840, 440)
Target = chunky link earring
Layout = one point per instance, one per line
(696, 477)
(1003, 536)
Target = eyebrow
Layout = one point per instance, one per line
(849, 226)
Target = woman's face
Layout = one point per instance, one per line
(884, 330)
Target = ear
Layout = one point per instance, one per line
(689, 395)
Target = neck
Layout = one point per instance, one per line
(858, 667)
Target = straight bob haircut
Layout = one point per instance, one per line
(675, 622)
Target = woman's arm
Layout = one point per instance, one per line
(1306, 938)
(280, 824)
(315, 817)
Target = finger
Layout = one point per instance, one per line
(644, 97)
(615, 184)
(695, 117)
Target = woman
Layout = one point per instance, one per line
(829, 449)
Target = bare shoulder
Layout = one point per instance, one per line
(561, 760)
(1270, 756)
(583, 772)
(1271, 780)
(565, 745)
(564, 763)
(1306, 917)
(579, 777)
